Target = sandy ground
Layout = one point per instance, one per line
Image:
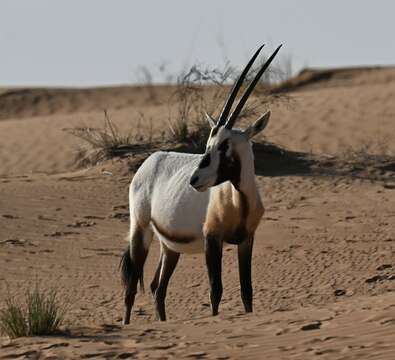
(324, 260)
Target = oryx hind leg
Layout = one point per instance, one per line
(168, 263)
(132, 264)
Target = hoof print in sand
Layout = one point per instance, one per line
(45, 218)
(379, 278)
(120, 207)
(384, 267)
(80, 224)
(62, 233)
(9, 216)
(127, 355)
(339, 292)
(94, 217)
(17, 242)
(316, 325)
(197, 355)
(123, 216)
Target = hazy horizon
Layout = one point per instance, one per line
(92, 43)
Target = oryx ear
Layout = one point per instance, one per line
(211, 120)
(257, 126)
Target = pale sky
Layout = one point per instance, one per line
(97, 42)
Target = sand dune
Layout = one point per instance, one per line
(330, 119)
(324, 260)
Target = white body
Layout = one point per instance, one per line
(160, 190)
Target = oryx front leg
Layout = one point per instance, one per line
(169, 261)
(213, 249)
(244, 251)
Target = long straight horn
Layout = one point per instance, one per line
(247, 93)
(235, 89)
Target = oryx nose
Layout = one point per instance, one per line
(194, 180)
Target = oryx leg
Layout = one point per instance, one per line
(213, 249)
(244, 251)
(133, 265)
(168, 264)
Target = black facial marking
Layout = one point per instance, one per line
(223, 146)
(229, 168)
(205, 161)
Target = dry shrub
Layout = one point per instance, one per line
(198, 91)
(368, 154)
(204, 90)
(102, 144)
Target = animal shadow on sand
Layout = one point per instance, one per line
(272, 160)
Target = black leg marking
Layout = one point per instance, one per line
(169, 262)
(155, 280)
(244, 251)
(213, 249)
(132, 264)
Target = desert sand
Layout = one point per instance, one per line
(324, 254)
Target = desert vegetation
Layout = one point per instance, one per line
(196, 92)
(41, 313)
(102, 144)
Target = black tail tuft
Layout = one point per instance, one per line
(126, 267)
(128, 270)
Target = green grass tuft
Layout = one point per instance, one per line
(42, 314)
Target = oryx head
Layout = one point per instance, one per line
(225, 146)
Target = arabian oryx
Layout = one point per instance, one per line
(194, 203)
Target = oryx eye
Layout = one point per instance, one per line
(223, 146)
